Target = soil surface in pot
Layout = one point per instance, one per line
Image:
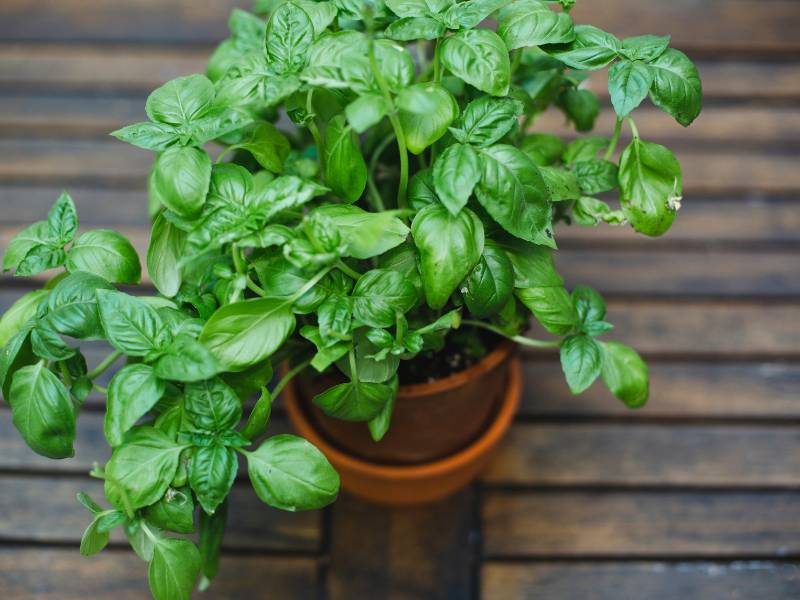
(462, 349)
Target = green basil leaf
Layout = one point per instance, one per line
(651, 185)
(47, 343)
(187, 360)
(415, 28)
(561, 184)
(141, 469)
(581, 361)
(379, 295)
(212, 531)
(289, 473)
(93, 541)
(449, 248)
(42, 411)
(513, 192)
(20, 313)
(596, 176)
(589, 305)
(326, 355)
(345, 169)
(552, 307)
(366, 111)
(174, 569)
(181, 101)
(62, 221)
(131, 325)
(39, 259)
(677, 89)
(425, 111)
(543, 149)
(259, 417)
(17, 353)
(416, 8)
(245, 333)
(354, 400)
(532, 23)
(591, 49)
(478, 57)
(628, 84)
(281, 279)
(150, 136)
(26, 240)
(625, 374)
(248, 382)
(379, 424)
(107, 254)
(180, 179)
(584, 149)
(211, 406)
(267, 145)
(589, 211)
(321, 14)
(133, 391)
(290, 33)
(486, 120)
(395, 64)
(211, 474)
(581, 107)
(470, 14)
(72, 308)
(367, 234)
(334, 317)
(167, 243)
(174, 512)
(533, 265)
(644, 47)
(491, 282)
(372, 364)
(456, 171)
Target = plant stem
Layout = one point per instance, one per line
(520, 339)
(104, 364)
(516, 60)
(398, 130)
(225, 153)
(290, 374)
(614, 139)
(312, 127)
(437, 64)
(347, 270)
(309, 284)
(62, 366)
(634, 129)
(100, 389)
(255, 288)
(373, 164)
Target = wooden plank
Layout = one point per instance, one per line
(738, 24)
(402, 554)
(114, 163)
(644, 524)
(678, 390)
(44, 510)
(575, 454)
(62, 574)
(652, 580)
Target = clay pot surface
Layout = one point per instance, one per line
(485, 397)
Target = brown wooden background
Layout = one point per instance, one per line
(695, 496)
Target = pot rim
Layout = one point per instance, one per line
(481, 446)
(459, 378)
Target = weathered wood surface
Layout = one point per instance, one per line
(694, 496)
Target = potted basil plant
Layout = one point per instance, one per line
(380, 220)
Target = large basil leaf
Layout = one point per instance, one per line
(48, 344)
(625, 374)
(290, 33)
(211, 474)
(42, 411)
(131, 325)
(354, 400)
(513, 192)
(629, 82)
(345, 169)
(592, 48)
(581, 107)
(533, 265)
(561, 184)
(480, 58)
(163, 255)
(677, 89)
(141, 469)
(33, 236)
(181, 101)
(651, 185)
(486, 120)
(289, 473)
(211, 406)
(17, 353)
(581, 361)
(415, 28)
(644, 47)
(245, 333)
(395, 65)
(455, 173)
(150, 136)
(281, 279)
(71, 307)
(491, 282)
(449, 248)
(173, 569)
(133, 391)
(20, 313)
(596, 176)
(366, 111)
(185, 359)
(379, 295)
(267, 145)
(180, 180)
(552, 307)
(367, 234)
(425, 111)
(473, 12)
(107, 254)
(532, 23)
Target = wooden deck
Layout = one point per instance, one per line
(695, 496)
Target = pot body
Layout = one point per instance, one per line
(430, 420)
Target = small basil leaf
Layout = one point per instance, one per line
(354, 401)
(491, 282)
(20, 313)
(581, 361)
(131, 325)
(625, 374)
(366, 111)
(62, 221)
(72, 307)
(211, 406)
(644, 47)
(133, 391)
(591, 49)
(289, 35)
(93, 541)
(629, 82)
(677, 89)
(26, 240)
(367, 234)
(379, 295)
(107, 254)
(415, 28)
(47, 344)
(552, 307)
(211, 474)
(532, 23)
(181, 100)
(180, 179)
(478, 57)
(150, 136)
(455, 173)
(259, 417)
(345, 169)
(596, 176)
(543, 149)
(174, 569)
(581, 107)
(486, 119)
(425, 111)
(174, 512)
(561, 184)
(164, 252)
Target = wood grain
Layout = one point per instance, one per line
(643, 524)
(62, 574)
(639, 580)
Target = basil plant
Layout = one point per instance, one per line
(377, 194)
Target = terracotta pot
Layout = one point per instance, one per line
(493, 386)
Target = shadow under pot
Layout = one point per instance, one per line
(441, 435)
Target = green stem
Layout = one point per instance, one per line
(373, 164)
(62, 366)
(104, 365)
(350, 272)
(516, 61)
(100, 389)
(309, 284)
(520, 339)
(312, 127)
(634, 129)
(398, 130)
(437, 64)
(225, 153)
(255, 288)
(290, 374)
(238, 261)
(614, 139)
(526, 122)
